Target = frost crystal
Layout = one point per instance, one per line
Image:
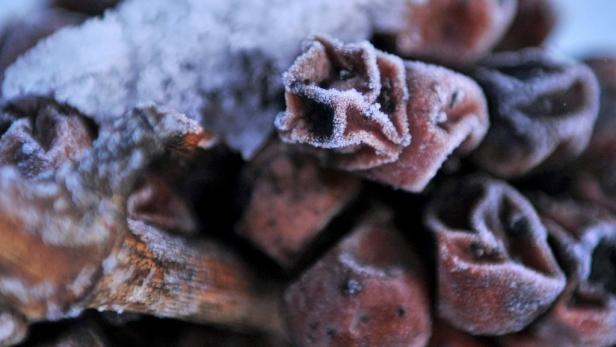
(349, 98)
(496, 271)
(369, 112)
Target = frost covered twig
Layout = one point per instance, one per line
(66, 244)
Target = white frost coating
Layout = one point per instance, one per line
(163, 246)
(353, 243)
(82, 281)
(73, 312)
(102, 76)
(14, 287)
(119, 278)
(349, 118)
(140, 293)
(29, 202)
(175, 124)
(369, 270)
(582, 249)
(109, 264)
(7, 327)
(54, 311)
(219, 62)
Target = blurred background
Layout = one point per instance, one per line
(585, 27)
